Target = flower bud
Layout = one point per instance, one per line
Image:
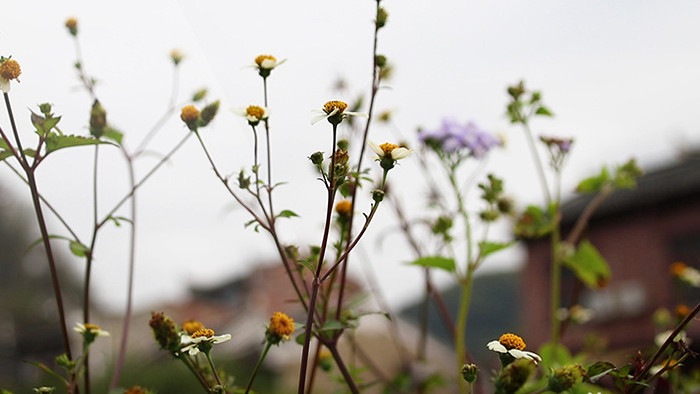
(380, 61)
(176, 56)
(98, 119)
(165, 332)
(209, 112)
(190, 115)
(45, 109)
(72, 26)
(377, 195)
(199, 95)
(382, 16)
(470, 372)
(513, 376)
(564, 378)
(316, 158)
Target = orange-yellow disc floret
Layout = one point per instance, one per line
(512, 341)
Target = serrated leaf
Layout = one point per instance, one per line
(599, 369)
(487, 248)
(43, 125)
(332, 325)
(286, 214)
(55, 142)
(440, 262)
(595, 183)
(588, 265)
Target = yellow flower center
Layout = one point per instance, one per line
(262, 58)
(512, 341)
(255, 111)
(387, 148)
(9, 69)
(333, 105)
(281, 324)
(192, 326)
(343, 207)
(203, 332)
(189, 114)
(677, 268)
(91, 327)
(71, 23)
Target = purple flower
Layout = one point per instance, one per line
(453, 137)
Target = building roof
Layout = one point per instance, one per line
(675, 182)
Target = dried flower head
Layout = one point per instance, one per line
(165, 332)
(9, 70)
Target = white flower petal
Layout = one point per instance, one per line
(400, 153)
(316, 118)
(375, 148)
(4, 85)
(240, 111)
(496, 347)
(360, 114)
(525, 354)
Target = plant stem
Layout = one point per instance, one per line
(257, 366)
(538, 162)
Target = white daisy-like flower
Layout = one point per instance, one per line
(253, 113)
(513, 345)
(389, 150)
(661, 337)
(335, 112)
(267, 62)
(203, 337)
(686, 273)
(90, 331)
(9, 70)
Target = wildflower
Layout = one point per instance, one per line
(89, 331)
(666, 365)
(335, 111)
(685, 273)
(513, 345)
(388, 154)
(253, 113)
(280, 328)
(453, 138)
(190, 115)
(72, 26)
(266, 63)
(344, 208)
(191, 326)
(44, 389)
(176, 56)
(137, 390)
(202, 340)
(9, 70)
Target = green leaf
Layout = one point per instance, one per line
(599, 369)
(332, 325)
(554, 356)
(534, 222)
(307, 264)
(3, 144)
(487, 248)
(544, 111)
(47, 370)
(55, 142)
(114, 135)
(594, 183)
(286, 214)
(443, 263)
(78, 249)
(4, 154)
(589, 266)
(43, 125)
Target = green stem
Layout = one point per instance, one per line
(200, 378)
(538, 163)
(213, 369)
(462, 315)
(257, 366)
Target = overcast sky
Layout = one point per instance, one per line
(622, 78)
